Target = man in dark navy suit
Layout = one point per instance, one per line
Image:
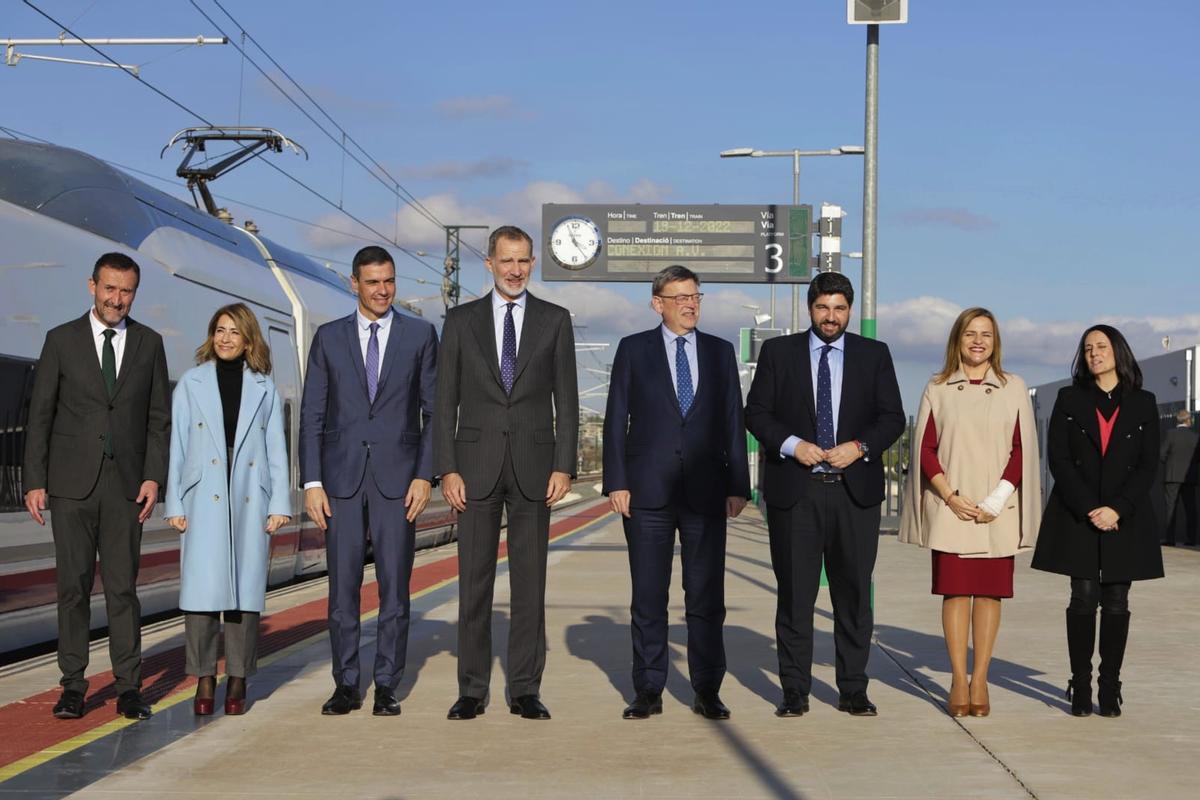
(675, 459)
(366, 464)
(825, 405)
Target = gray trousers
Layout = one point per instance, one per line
(104, 522)
(241, 642)
(528, 544)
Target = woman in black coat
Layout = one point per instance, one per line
(1099, 526)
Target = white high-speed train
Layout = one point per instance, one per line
(59, 210)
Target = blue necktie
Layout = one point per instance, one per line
(683, 376)
(508, 354)
(824, 401)
(373, 362)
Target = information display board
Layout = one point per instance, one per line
(720, 243)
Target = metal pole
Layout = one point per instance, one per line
(870, 183)
(795, 202)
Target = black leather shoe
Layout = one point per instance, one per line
(130, 705)
(344, 700)
(645, 704)
(69, 705)
(386, 704)
(794, 704)
(710, 706)
(466, 708)
(858, 705)
(529, 707)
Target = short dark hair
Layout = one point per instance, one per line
(508, 232)
(119, 262)
(830, 283)
(672, 274)
(371, 254)
(1128, 372)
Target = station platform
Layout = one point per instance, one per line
(1030, 746)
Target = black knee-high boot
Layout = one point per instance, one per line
(1114, 632)
(1081, 643)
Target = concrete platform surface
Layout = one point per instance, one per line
(1030, 746)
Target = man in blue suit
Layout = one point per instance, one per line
(366, 464)
(675, 459)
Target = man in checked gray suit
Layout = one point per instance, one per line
(505, 428)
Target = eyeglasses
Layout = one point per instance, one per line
(680, 299)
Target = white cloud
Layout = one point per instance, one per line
(916, 330)
(494, 167)
(492, 105)
(522, 207)
(961, 218)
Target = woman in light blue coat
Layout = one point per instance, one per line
(228, 490)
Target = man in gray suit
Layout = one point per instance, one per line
(1180, 458)
(505, 429)
(96, 452)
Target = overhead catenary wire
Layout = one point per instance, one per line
(181, 106)
(339, 141)
(400, 190)
(402, 194)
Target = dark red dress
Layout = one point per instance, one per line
(953, 574)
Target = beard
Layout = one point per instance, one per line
(825, 337)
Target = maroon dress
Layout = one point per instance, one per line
(953, 574)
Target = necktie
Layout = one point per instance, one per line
(508, 353)
(108, 368)
(683, 376)
(824, 401)
(373, 362)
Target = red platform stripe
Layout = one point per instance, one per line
(32, 728)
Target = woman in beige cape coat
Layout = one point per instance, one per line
(973, 495)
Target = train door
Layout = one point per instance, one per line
(285, 559)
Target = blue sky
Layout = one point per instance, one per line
(1039, 161)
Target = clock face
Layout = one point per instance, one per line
(575, 242)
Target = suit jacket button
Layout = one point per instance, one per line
(364, 444)
(370, 416)
(987, 390)
(110, 406)
(101, 437)
(247, 499)
(216, 498)
(961, 387)
(199, 424)
(214, 461)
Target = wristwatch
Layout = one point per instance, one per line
(863, 450)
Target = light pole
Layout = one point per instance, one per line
(795, 156)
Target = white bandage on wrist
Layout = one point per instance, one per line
(994, 502)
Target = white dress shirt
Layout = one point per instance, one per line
(689, 348)
(118, 341)
(364, 335)
(499, 311)
(836, 359)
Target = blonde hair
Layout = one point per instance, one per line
(258, 353)
(954, 345)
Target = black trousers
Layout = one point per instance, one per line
(828, 525)
(528, 546)
(1182, 520)
(650, 534)
(104, 522)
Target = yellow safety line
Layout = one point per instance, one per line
(74, 743)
